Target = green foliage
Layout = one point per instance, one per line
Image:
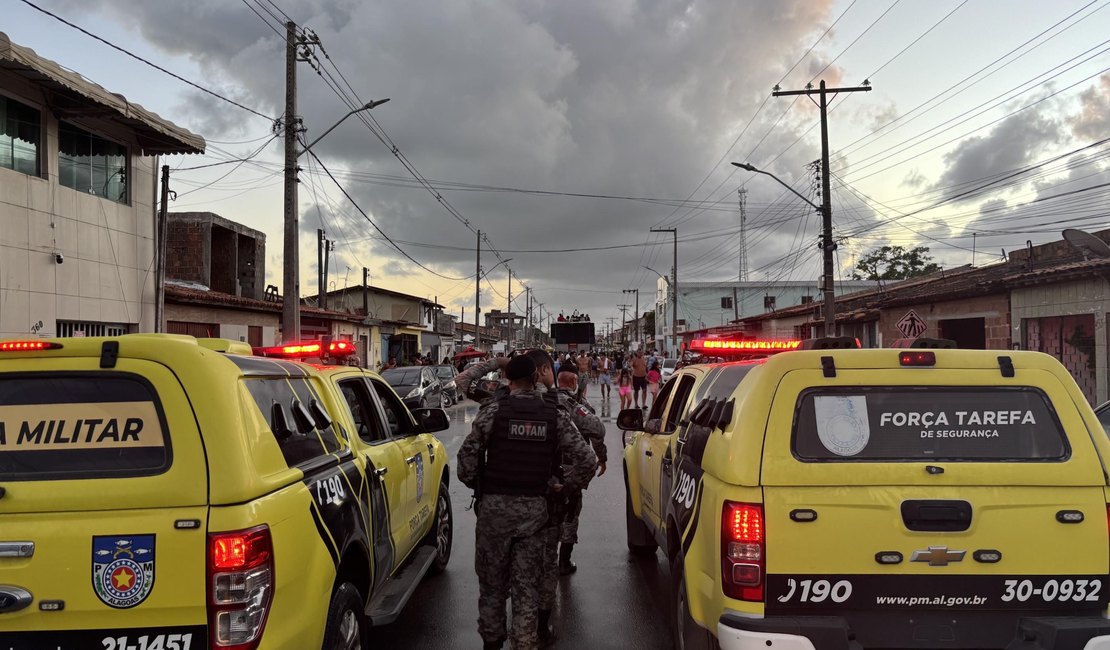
(895, 263)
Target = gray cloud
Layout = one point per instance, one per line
(633, 98)
(1093, 121)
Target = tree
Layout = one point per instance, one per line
(895, 263)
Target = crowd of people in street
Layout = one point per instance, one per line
(637, 376)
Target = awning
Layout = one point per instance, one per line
(71, 95)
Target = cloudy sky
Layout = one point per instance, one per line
(560, 126)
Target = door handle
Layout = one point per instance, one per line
(647, 452)
(381, 471)
(17, 549)
(412, 459)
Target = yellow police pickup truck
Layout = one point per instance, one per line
(838, 499)
(163, 493)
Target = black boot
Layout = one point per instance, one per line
(566, 567)
(547, 630)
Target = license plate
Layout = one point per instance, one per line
(874, 592)
(160, 638)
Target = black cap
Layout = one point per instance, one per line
(520, 367)
(571, 367)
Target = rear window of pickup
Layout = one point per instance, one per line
(904, 423)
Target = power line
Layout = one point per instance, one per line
(141, 59)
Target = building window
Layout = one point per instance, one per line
(77, 328)
(726, 302)
(20, 132)
(806, 300)
(89, 163)
(769, 302)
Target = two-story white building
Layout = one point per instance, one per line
(78, 200)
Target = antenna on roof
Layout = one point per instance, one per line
(1086, 243)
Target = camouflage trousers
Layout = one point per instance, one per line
(508, 568)
(568, 533)
(549, 580)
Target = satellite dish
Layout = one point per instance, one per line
(1086, 243)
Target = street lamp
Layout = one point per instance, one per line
(291, 274)
(485, 273)
(827, 248)
(365, 107)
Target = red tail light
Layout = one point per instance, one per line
(240, 586)
(743, 550)
(917, 358)
(28, 346)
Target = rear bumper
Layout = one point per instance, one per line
(740, 632)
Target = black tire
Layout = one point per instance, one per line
(686, 634)
(441, 536)
(346, 627)
(640, 540)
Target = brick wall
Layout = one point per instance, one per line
(187, 255)
(225, 253)
(994, 309)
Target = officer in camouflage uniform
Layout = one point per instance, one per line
(509, 459)
(466, 380)
(593, 430)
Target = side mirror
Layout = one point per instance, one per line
(630, 420)
(431, 420)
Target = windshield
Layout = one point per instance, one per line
(402, 376)
(445, 372)
(1103, 413)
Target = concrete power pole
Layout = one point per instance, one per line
(674, 288)
(291, 290)
(624, 319)
(477, 290)
(636, 314)
(828, 246)
(743, 233)
(160, 252)
(509, 307)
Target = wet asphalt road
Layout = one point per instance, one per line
(613, 601)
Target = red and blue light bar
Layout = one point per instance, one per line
(308, 350)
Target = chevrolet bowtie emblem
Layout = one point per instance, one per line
(938, 556)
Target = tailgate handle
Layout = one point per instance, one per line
(936, 515)
(17, 549)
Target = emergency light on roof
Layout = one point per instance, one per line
(729, 345)
(28, 346)
(308, 349)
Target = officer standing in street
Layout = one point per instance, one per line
(593, 430)
(509, 459)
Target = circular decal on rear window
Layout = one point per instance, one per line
(844, 435)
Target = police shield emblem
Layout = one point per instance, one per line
(123, 569)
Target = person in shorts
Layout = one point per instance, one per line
(604, 375)
(639, 368)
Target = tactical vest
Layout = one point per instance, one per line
(521, 452)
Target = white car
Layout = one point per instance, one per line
(668, 368)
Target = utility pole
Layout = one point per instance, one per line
(509, 307)
(828, 246)
(674, 288)
(624, 320)
(160, 251)
(636, 314)
(743, 192)
(477, 290)
(291, 291)
(320, 286)
(366, 292)
(328, 247)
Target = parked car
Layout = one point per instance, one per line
(418, 386)
(668, 368)
(446, 376)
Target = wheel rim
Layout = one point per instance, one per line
(349, 631)
(443, 530)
